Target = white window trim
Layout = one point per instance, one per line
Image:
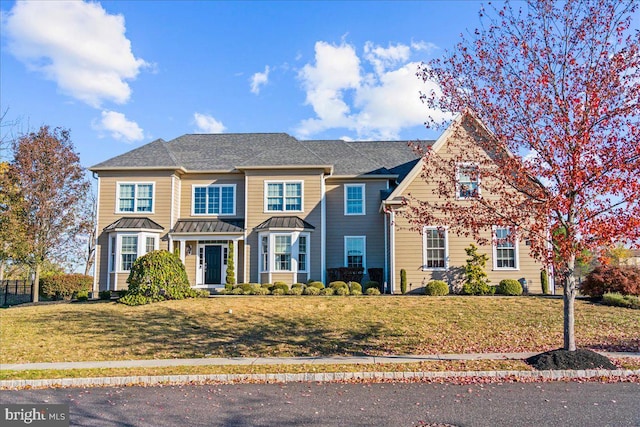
(424, 248)
(284, 204)
(516, 252)
(141, 248)
(295, 251)
(193, 199)
(462, 165)
(364, 254)
(135, 198)
(364, 199)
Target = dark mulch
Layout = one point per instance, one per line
(564, 359)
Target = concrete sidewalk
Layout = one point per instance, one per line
(154, 363)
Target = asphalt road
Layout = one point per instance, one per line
(335, 404)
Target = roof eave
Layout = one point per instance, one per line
(131, 168)
(326, 168)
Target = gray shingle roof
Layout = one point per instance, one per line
(203, 226)
(226, 152)
(285, 222)
(134, 223)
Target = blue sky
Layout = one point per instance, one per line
(120, 74)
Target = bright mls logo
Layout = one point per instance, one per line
(35, 415)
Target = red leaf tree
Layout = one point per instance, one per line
(52, 187)
(556, 89)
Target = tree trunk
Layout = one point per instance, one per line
(36, 284)
(569, 305)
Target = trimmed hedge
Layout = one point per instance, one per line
(436, 288)
(509, 287)
(316, 284)
(64, 286)
(373, 291)
(371, 284)
(356, 288)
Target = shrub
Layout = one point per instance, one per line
(619, 300)
(610, 279)
(228, 287)
(298, 285)
(345, 274)
(236, 291)
(230, 273)
(311, 290)
(338, 285)
(246, 287)
(157, 276)
(268, 286)
(403, 281)
(82, 295)
(371, 284)
(278, 291)
(476, 281)
(544, 281)
(376, 274)
(436, 288)
(326, 291)
(261, 291)
(509, 287)
(342, 291)
(356, 288)
(295, 291)
(373, 291)
(104, 295)
(317, 285)
(64, 286)
(280, 285)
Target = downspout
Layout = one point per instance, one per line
(96, 258)
(323, 229)
(392, 251)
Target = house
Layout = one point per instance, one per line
(286, 210)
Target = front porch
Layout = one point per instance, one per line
(207, 248)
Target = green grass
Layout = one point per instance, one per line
(305, 326)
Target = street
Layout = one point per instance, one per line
(348, 404)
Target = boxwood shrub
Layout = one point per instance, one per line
(311, 290)
(316, 284)
(509, 287)
(373, 291)
(326, 291)
(280, 285)
(356, 288)
(436, 288)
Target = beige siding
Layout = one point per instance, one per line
(186, 196)
(370, 225)
(107, 209)
(409, 248)
(256, 214)
(409, 256)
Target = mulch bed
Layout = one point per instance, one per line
(563, 359)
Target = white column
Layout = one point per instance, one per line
(392, 251)
(183, 250)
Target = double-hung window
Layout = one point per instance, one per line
(135, 197)
(354, 199)
(505, 249)
(282, 252)
(283, 196)
(214, 199)
(434, 242)
(468, 181)
(302, 253)
(355, 251)
(128, 252)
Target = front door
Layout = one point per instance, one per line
(213, 265)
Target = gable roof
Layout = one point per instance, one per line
(229, 152)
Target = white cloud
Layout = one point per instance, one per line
(119, 127)
(78, 45)
(208, 124)
(259, 79)
(377, 104)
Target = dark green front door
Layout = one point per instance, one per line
(212, 259)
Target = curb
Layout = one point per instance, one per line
(315, 377)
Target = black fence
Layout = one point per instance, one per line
(16, 292)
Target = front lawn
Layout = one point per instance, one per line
(306, 326)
